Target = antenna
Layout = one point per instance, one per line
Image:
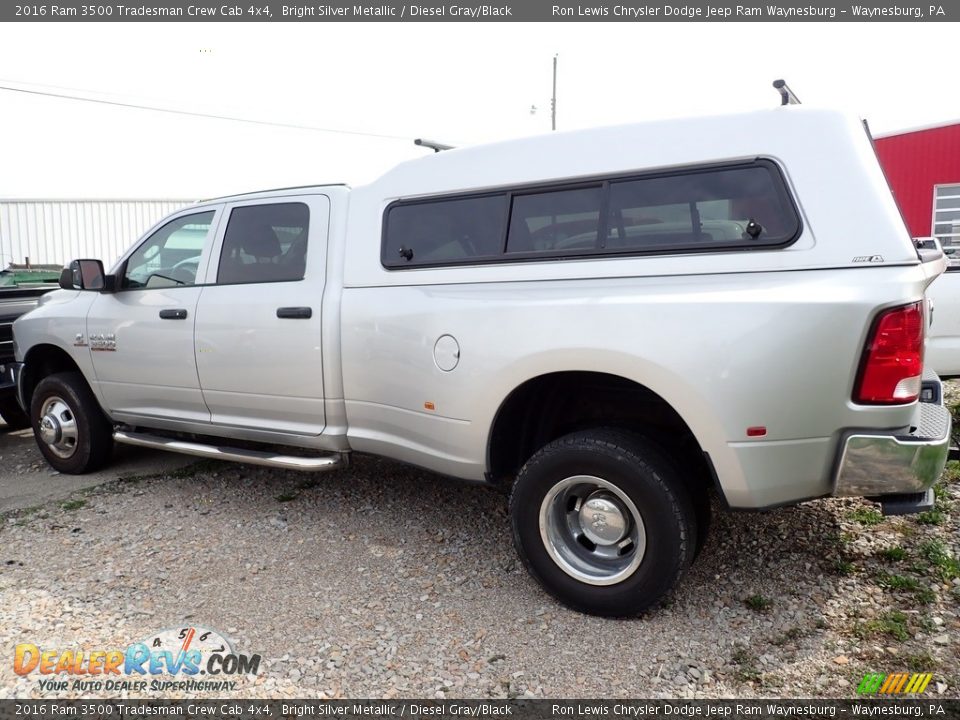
(787, 96)
(553, 98)
(435, 146)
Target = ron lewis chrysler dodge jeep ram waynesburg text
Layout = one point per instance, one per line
(612, 320)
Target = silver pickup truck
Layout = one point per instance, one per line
(613, 321)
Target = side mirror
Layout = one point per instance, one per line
(86, 275)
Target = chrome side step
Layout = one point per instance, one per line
(213, 452)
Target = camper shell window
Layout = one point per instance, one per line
(739, 206)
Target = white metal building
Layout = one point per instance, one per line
(53, 232)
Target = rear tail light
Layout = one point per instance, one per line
(892, 363)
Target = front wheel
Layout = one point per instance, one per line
(602, 520)
(71, 431)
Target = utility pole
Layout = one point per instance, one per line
(553, 100)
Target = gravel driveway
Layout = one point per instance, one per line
(387, 581)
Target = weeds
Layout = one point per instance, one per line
(843, 567)
(746, 663)
(867, 516)
(921, 662)
(937, 554)
(931, 517)
(898, 582)
(893, 554)
(892, 623)
(758, 603)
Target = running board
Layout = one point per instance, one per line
(213, 452)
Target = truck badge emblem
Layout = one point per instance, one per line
(868, 259)
(104, 342)
(78, 341)
(599, 521)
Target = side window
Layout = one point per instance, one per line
(445, 231)
(171, 256)
(265, 243)
(558, 221)
(735, 206)
(741, 206)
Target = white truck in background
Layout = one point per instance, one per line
(943, 340)
(611, 321)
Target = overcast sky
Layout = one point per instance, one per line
(461, 83)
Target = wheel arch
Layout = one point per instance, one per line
(547, 406)
(39, 362)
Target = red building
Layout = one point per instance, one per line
(923, 168)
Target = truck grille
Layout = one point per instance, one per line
(6, 340)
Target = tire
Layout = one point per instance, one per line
(643, 534)
(13, 416)
(70, 428)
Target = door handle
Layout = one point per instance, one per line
(295, 313)
(173, 314)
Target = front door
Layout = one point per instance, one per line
(141, 337)
(258, 337)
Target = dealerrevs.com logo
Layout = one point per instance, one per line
(188, 658)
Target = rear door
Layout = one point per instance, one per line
(258, 343)
(141, 337)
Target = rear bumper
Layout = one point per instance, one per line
(877, 464)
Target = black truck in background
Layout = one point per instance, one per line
(15, 300)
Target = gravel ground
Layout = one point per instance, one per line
(387, 581)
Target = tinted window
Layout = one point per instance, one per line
(559, 221)
(444, 231)
(265, 243)
(729, 207)
(736, 206)
(171, 256)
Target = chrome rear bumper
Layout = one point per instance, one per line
(875, 464)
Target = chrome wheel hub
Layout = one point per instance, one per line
(58, 427)
(603, 518)
(592, 530)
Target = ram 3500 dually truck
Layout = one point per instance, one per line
(614, 321)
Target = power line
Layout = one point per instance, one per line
(191, 113)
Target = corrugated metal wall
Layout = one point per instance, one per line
(53, 232)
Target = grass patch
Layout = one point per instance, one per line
(898, 582)
(941, 496)
(951, 473)
(939, 557)
(71, 505)
(920, 662)
(893, 554)
(931, 517)
(286, 497)
(902, 583)
(758, 603)
(843, 567)
(746, 663)
(866, 516)
(892, 623)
